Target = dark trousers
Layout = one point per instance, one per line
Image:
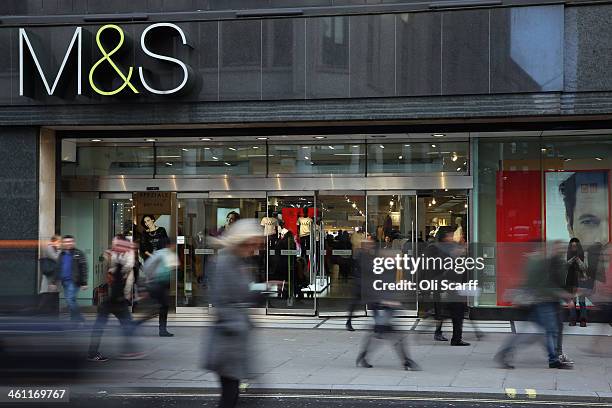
(121, 310)
(456, 311)
(160, 294)
(48, 304)
(385, 332)
(230, 389)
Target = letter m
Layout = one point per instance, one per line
(23, 38)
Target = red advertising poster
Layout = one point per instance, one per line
(519, 221)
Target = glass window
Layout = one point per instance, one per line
(431, 157)
(110, 161)
(211, 160)
(316, 159)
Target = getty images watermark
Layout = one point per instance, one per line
(427, 265)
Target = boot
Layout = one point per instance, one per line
(163, 322)
(582, 323)
(411, 365)
(349, 326)
(572, 322)
(361, 361)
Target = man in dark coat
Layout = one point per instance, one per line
(71, 272)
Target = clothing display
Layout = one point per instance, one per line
(305, 224)
(270, 225)
(458, 234)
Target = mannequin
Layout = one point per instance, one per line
(271, 228)
(305, 225)
(458, 234)
(436, 226)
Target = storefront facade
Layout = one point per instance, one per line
(393, 119)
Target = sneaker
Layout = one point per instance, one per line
(560, 365)
(165, 333)
(98, 358)
(132, 356)
(565, 359)
(503, 361)
(440, 337)
(411, 365)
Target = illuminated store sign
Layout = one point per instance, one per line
(107, 56)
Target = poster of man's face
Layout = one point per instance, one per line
(577, 206)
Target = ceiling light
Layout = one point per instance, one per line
(568, 159)
(96, 140)
(454, 157)
(598, 158)
(320, 137)
(355, 146)
(306, 158)
(391, 203)
(150, 140)
(543, 150)
(400, 157)
(429, 205)
(331, 147)
(262, 138)
(433, 145)
(381, 146)
(207, 148)
(215, 158)
(354, 205)
(458, 168)
(407, 145)
(185, 150)
(465, 205)
(168, 164)
(232, 148)
(304, 147)
(205, 139)
(438, 135)
(433, 201)
(227, 164)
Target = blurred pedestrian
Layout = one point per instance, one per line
(71, 272)
(453, 304)
(158, 270)
(120, 278)
(363, 258)
(49, 296)
(541, 294)
(228, 349)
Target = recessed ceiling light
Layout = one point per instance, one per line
(598, 158)
(438, 135)
(433, 145)
(355, 146)
(262, 138)
(400, 157)
(381, 146)
(306, 158)
(331, 147)
(232, 148)
(543, 149)
(255, 147)
(207, 148)
(227, 164)
(320, 137)
(205, 139)
(215, 158)
(168, 164)
(150, 140)
(407, 145)
(185, 150)
(96, 140)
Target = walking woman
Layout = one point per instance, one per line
(228, 349)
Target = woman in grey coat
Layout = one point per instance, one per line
(228, 353)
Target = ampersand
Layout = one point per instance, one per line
(106, 56)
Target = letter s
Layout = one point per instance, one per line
(143, 45)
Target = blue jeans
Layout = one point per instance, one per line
(70, 293)
(545, 316)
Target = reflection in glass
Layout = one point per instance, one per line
(110, 161)
(316, 159)
(211, 160)
(449, 157)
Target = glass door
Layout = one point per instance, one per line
(393, 224)
(291, 231)
(342, 229)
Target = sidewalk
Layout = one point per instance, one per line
(323, 360)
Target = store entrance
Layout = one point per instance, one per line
(292, 236)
